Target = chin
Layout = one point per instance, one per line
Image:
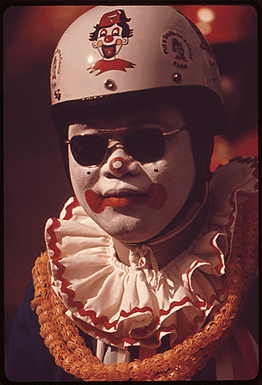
(128, 229)
(122, 227)
(130, 237)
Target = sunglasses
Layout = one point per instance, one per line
(145, 145)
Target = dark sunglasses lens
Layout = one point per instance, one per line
(88, 150)
(146, 145)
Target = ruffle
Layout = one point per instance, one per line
(139, 304)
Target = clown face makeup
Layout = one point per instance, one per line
(110, 41)
(134, 200)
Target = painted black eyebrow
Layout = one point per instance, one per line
(148, 115)
(144, 116)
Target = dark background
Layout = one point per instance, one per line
(35, 183)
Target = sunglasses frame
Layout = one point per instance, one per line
(109, 140)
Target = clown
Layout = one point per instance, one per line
(142, 278)
(109, 36)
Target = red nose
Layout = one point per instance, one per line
(108, 39)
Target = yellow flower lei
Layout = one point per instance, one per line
(68, 348)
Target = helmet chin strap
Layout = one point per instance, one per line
(188, 222)
(180, 232)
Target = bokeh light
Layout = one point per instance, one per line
(206, 15)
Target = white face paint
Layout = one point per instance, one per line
(137, 201)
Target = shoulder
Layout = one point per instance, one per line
(28, 357)
(240, 173)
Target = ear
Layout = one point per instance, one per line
(125, 40)
(94, 43)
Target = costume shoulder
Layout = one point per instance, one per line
(29, 359)
(240, 175)
(233, 193)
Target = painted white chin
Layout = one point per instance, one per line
(129, 224)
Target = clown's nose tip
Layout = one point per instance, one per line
(117, 164)
(108, 39)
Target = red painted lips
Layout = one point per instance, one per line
(155, 197)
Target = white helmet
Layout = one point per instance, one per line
(116, 50)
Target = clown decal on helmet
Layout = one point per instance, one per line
(109, 36)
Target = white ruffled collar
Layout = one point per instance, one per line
(136, 305)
